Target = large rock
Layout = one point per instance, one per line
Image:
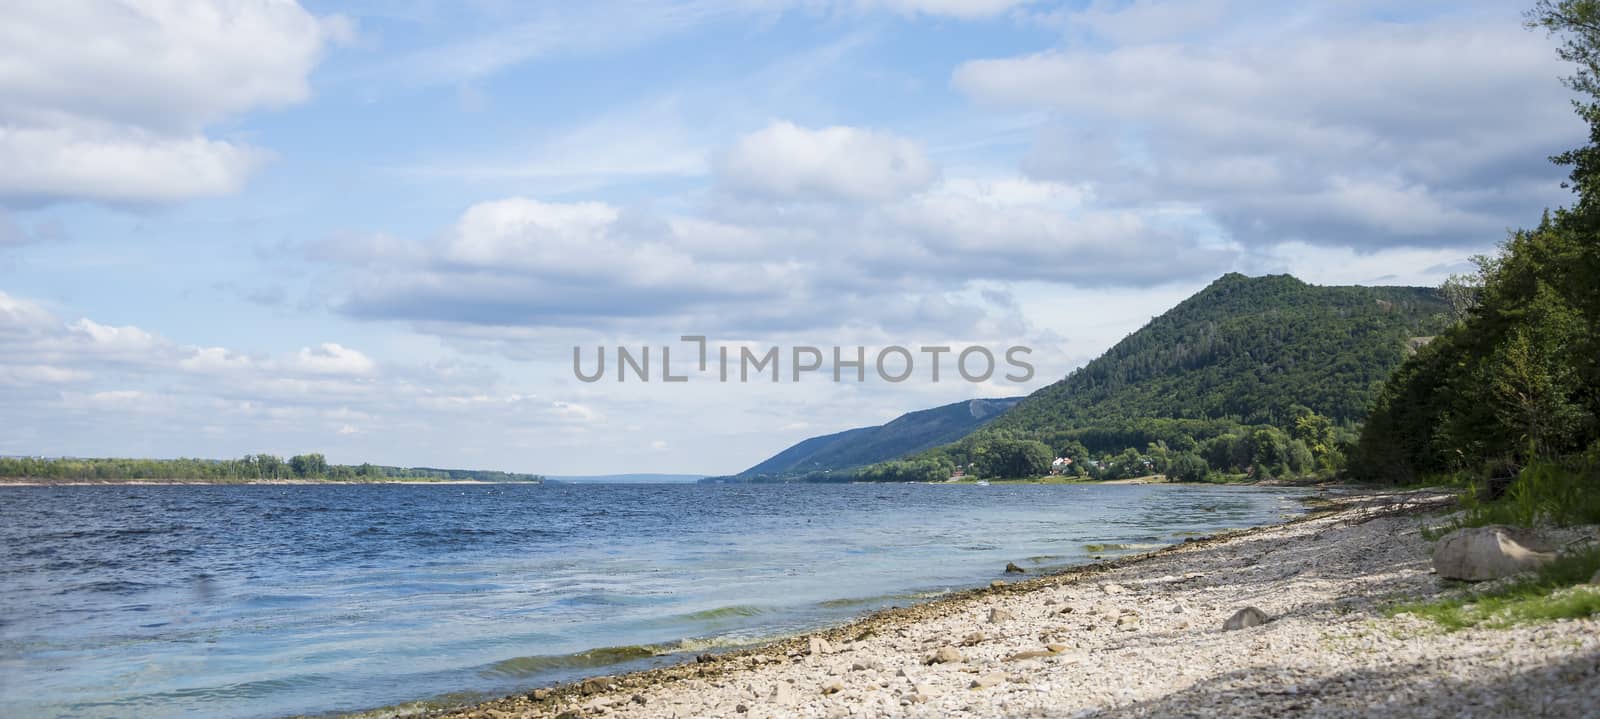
(1476, 554)
(1244, 619)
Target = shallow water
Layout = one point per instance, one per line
(267, 601)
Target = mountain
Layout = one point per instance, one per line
(1250, 373)
(908, 433)
(1249, 348)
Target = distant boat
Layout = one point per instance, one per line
(982, 483)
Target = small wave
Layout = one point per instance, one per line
(725, 641)
(849, 602)
(736, 610)
(603, 656)
(1122, 547)
(110, 587)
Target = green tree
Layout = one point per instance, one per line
(1188, 467)
(1014, 458)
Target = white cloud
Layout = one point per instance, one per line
(333, 359)
(1384, 134)
(121, 118)
(786, 161)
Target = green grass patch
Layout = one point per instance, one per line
(1558, 591)
(1563, 493)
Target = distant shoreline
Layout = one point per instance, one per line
(31, 482)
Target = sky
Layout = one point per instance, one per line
(378, 229)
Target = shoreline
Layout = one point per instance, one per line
(208, 483)
(1137, 635)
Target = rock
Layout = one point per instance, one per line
(539, 695)
(944, 655)
(832, 688)
(784, 695)
(569, 714)
(1245, 618)
(705, 658)
(996, 584)
(1030, 654)
(1476, 554)
(1176, 608)
(1056, 648)
(973, 639)
(992, 679)
(820, 646)
(1113, 588)
(593, 686)
(741, 709)
(997, 615)
(1012, 568)
(1128, 622)
(639, 699)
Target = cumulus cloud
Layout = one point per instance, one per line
(89, 388)
(1378, 135)
(123, 118)
(905, 265)
(786, 161)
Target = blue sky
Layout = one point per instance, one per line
(377, 229)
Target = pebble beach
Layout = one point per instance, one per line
(1293, 619)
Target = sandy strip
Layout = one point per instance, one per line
(1144, 637)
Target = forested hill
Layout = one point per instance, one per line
(910, 432)
(1248, 349)
(1258, 376)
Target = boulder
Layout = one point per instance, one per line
(1012, 568)
(998, 615)
(1244, 619)
(944, 655)
(818, 645)
(1477, 554)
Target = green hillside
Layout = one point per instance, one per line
(1262, 375)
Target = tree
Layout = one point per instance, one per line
(1188, 467)
(1014, 458)
(308, 465)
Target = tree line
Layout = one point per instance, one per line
(1513, 385)
(251, 467)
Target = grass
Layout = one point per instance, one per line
(1559, 590)
(1547, 492)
